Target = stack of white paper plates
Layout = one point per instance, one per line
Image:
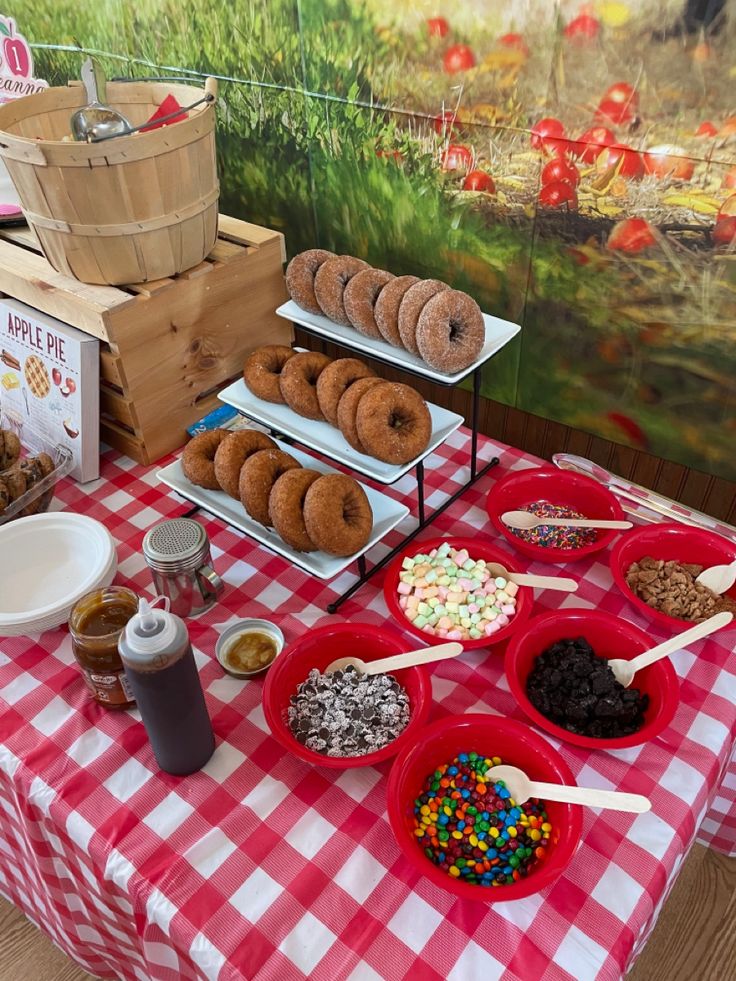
(47, 563)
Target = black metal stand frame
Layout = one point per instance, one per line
(424, 519)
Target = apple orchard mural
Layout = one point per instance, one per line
(573, 166)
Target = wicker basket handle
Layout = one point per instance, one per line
(28, 151)
(210, 88)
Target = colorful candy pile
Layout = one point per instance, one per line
(474, 830)
(552, 536)
(450, 595)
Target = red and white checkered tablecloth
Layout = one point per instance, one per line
(261, 866)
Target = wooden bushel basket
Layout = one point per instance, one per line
(132, 209)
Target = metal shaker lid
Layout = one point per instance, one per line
(178, 539)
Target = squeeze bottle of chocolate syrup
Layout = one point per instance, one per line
(160, 668)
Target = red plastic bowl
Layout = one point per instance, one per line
(478, 548)
(609, 636)
(491, 735)
(514, 491)
(316, 649)
(668, 541)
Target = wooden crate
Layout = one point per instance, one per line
(167, 347)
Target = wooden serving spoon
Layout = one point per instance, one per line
(525, 521)
(719, 578)
(625, 670)
(541, 582)
(522, 788)
(397, 661)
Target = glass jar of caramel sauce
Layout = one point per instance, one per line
(96, 624)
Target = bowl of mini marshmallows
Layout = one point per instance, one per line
(446, 589)
(344, 719)
(553, 493)
(656, 568)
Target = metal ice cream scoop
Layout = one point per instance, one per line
(96, 120)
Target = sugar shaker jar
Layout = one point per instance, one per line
(177, 552)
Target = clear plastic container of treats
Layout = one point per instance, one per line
(30, 467)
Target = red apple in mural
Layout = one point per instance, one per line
(437, 27)
(628, 161)
(729, 178)
(591, 144)
(457, 157)
(669, 161)
(622, 92)
(706, 129)
(56, 377)
(17, 55)
(548, 135)
(631, 235)
(724, 230)
(558, 194)
(445, 123)
(479, 180)
(458, 58)
(583, 28)
(617, 113)
(560, 170)
(514, 41)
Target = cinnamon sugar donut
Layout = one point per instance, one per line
(347, 409)
(330, 282)
(387, 308)
(286, 507)
(257, 476)
(232, 453)
(198, 458)
(412, 305)
(300, 275)
(393, 422)
(337, 514)
(450, 331)
(360, 298)
(262, 370)
(334, 382)
(298, 382)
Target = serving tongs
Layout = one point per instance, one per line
(641, 502)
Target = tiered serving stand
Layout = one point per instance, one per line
(320, 437)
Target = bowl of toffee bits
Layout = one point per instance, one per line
(558, 674)
(344, 719)
(656, 568)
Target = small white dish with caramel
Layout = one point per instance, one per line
(248, 647)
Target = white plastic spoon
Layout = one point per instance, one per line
(625, 670)
(719, 578)
(397, 661)
(522, 788)
(541, 582)
(525, 521)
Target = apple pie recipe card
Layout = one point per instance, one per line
(49, 384)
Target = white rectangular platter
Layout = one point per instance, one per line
(498, 333)
(387, 513)
(327, 439)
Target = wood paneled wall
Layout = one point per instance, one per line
(542, 437)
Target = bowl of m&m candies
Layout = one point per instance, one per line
(461, 827)
(344, 718)
(456, 589)
(551, 493)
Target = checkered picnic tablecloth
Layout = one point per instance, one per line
(261, 866)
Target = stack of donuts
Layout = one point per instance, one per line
(444, 327)
(382, 419)
(310, 511)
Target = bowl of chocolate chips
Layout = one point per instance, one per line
(344, 718)
(557, 671)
